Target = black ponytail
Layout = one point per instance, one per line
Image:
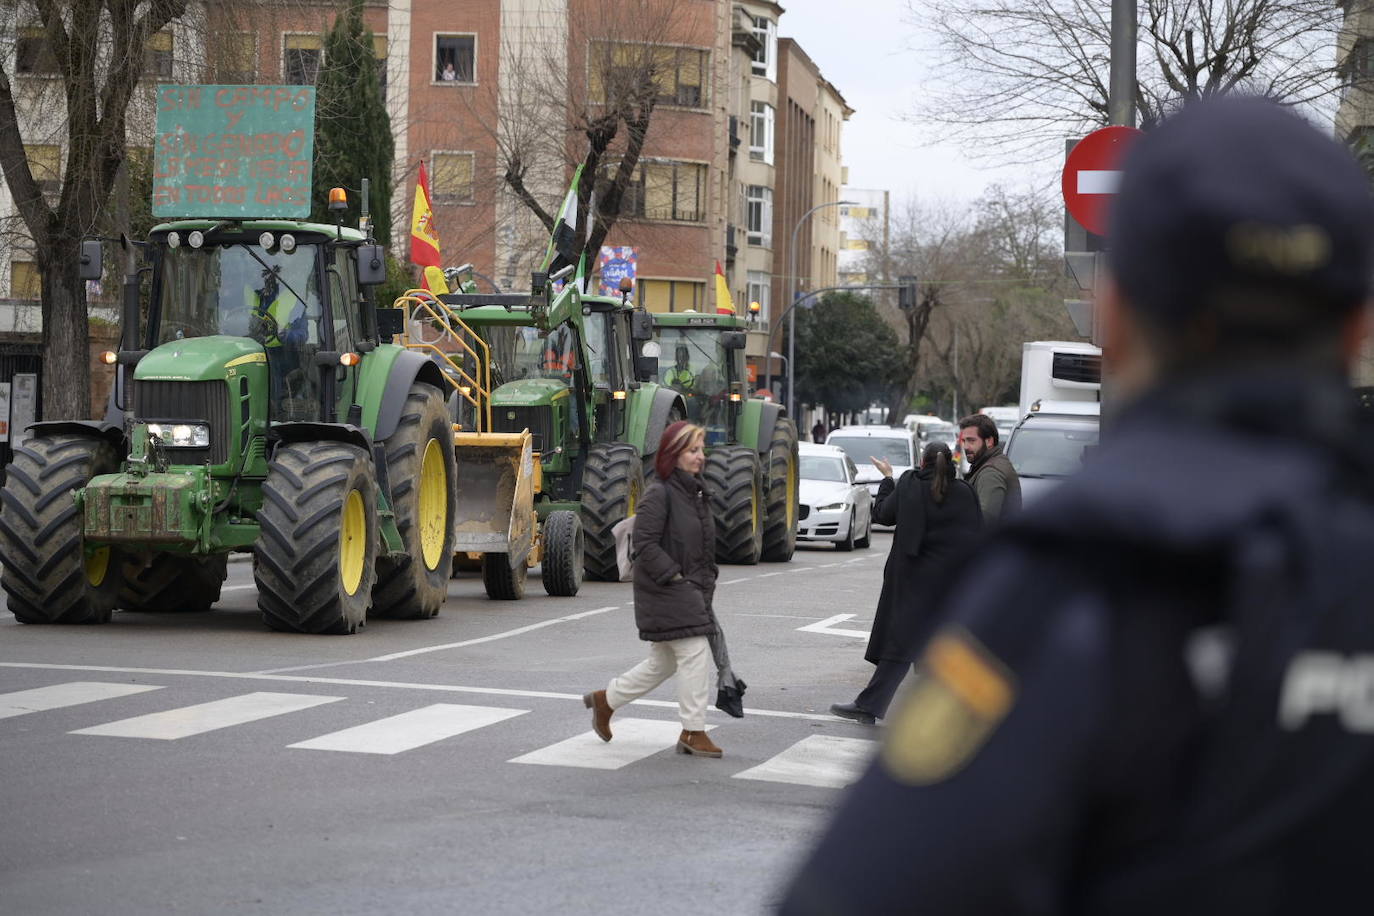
(937, 457)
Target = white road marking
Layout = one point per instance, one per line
(827, 626)
(236, 588)
(394, 685)
(817, 760)
(732, 581)
(207, 717)
(767, 575)
(410, 730)
(634, 739)
(41, 699)
(1091, 181)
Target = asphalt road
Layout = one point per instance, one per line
(200, 763)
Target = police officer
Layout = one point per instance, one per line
(1154, 691)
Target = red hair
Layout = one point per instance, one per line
(677, 438)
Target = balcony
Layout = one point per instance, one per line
(731, 244)
(734, 134)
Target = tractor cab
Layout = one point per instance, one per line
(705, 364)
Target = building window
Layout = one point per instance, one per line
(664, 189)
(24, 280)
(758, 206)
(760, 283)
(379, 52)
(238, 58)
(766, 57)
(761, 123)
(45, 164)
(33, 53)
(301, 59)
(452, 177)
(157, 55)
(671, 295)
(455, 58)
(679, 75)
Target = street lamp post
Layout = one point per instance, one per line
(792, 295)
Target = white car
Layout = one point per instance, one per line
(1050, 444)
(834, 506)
(896, 446)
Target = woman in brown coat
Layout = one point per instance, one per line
(674, 581)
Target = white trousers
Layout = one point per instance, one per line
(690, 658)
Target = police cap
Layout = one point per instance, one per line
(1240, 196)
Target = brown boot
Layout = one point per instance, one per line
(601, 713)
(697, 744)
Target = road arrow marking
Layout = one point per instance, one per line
(827, 627)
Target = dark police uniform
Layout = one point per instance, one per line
(1155, 693)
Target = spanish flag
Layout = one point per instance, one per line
(424, 239)
(724, 304)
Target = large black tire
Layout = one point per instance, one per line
(734, 481)
(48, 576)
(502, 582)
(867, 539)
(423, 477)
(317, 546)
(172, 583)
(780, 510)
(612, 481)
(847, 544)
(561, 566)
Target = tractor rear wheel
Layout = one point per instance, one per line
(563, 551)
(502, 582)
(780, 512)
(612, 480)
(172, 583)
(317, 546)
(734, 481)
(420, 468)
(49, 575)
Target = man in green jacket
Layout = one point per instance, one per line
(990, 473)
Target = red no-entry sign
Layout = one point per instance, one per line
(1092, 172)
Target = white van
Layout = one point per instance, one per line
(1058, 370)
(895, 445)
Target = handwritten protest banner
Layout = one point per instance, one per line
(233, 151)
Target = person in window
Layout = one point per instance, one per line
(278, 320)
(448, 74)
(681, 376)
(560, 355)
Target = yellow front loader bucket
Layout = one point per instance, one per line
(495, 494)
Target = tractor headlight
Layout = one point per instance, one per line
(181, 435)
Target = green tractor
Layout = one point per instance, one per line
(751, 461)
(561, 367)
(265, 409)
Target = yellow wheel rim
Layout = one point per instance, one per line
(352, 542)
(97, 565)
(433, 509)
(632, 500)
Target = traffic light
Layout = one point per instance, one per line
(906, 293)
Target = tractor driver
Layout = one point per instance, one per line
(560, 353)
(681, 376)
(279, 321)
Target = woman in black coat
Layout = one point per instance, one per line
(674, 582)
(936, 517)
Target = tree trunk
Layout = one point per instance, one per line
(66, 332)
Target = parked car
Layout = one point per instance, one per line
(940, 431)
(897, 446)
(1050, 444)
(834, 506)
(1006, 419)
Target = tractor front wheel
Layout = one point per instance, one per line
(317, 546)
(612, 480)
(421, 470)
(49, 575)
(780, 513)
(734, 481)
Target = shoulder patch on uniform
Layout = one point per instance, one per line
(962, 692)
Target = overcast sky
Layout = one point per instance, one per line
(869, 50)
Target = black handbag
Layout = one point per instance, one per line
(730, 700)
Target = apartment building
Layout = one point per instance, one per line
(496, 97)
(1355, 61)
(864, 226)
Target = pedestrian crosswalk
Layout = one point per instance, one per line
(817, 760)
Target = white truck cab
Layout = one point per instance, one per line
(1059, 370)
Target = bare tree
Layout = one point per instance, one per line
(1014, 75)
(580, 85)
